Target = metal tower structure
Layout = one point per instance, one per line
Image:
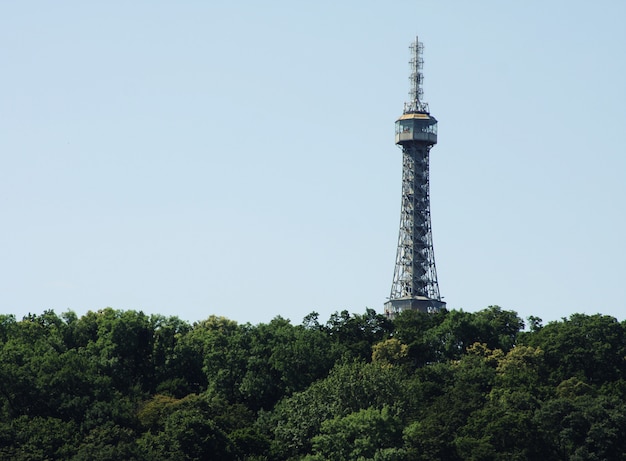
(415, 283)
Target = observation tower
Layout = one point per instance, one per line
(415, 283)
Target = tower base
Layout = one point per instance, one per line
(417, 303)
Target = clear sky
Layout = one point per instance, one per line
(237, 158)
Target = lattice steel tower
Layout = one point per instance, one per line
(415, 283)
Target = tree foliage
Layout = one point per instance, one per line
(453, 385)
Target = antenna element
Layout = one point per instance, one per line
(416, 79)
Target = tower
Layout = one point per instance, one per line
(415, 283)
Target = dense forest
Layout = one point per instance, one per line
(123, 385)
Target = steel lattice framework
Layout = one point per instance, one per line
(415, 283)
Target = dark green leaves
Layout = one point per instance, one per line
(453, 385)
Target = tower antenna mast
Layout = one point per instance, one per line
(416, 78)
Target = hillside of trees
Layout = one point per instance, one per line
(123, 385)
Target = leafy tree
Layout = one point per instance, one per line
(592, 348)
(350, 387)
(584, 427)
(496, 328)
(218, 342)
(450, 393)
(288, 357)
(7, 325)
(499, 328)
(354, 335)
(522, 368)
(411, 327)
(188, 435)
(169, 374)
(390, 352)
(30, 359)
(153, 412)
(365, 434)
(503, 429)
(452, 385)
(109, 442)
(124, 344)
(503, 426)
(232, 422)
(40, 438)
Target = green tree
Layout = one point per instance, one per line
(503, 429)
(354, 335)
(40, 438)
(499, 328)
(449, 394)
(30, 361)
(187, 435)
(584, 427)
(350, 387)
(411, 327)
(496, 328)
(124, 345)
(522, 368)
(222, 346)
(109, 442)
(365, 434)
(172, 372)
(592, 348)
(7, 325)
(390, 352)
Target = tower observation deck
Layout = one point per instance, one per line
(415, 283)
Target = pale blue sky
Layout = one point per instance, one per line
(237, 158)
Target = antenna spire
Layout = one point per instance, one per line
(416, 78)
